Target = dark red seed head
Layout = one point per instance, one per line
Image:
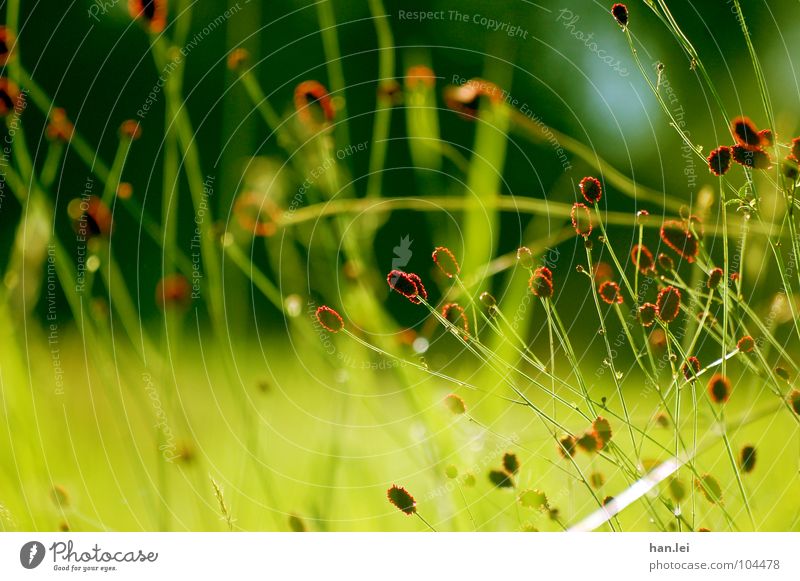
(501, 479)
(581, 219)
(60, 127)
(746, 344)
(676, 235)
(794, 401)
(10, 97)
(643, 259)
(796, 148)
(403, 283)
(751, 157)
(421, 292)
(541, 283)
(790, 168)
(588, 442)
(152, 12)
(610, 293)
(647, 314)
(402, 500)
(745, 132)
(747, 458)
(620, 12)
(591, 189)
(719, 162)
(767, 137)
(510, 463)
(446, 262)
(329, 319)
(601, 428)
(719, 388)
(691, 368)
(308, 96)
(173, 291)
(7, 45)
(669, 304)
(567, 445)
(714, 278)
(420, 75)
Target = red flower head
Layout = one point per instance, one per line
(420, 74)
(591, 189)
(643, 259)
(691, 368)
(677, 236)
(714, 278)
(647, 314)
(465, 99)
(541, 283)
(152, 12)
(745, 132)
(455, 314)
(130, 129)
(719, 388)
(752, 157)
(620, 12)
(746, 344)
(669, 304)
(421, 292)
(10, 97)
(7, 44)
(796, 148)
(173, 291)
(60, 127)
(581, 219)
(329, 319)
(767, 137)
(601, 428)
(401, 499)
(567, 445)
(446, 262)
(309, 95)
(610, 293)
(238, 58)
(405, 284)
(92, 218)
(719, 162)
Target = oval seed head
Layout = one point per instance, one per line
(751, 157)
(173, 292)
(602, 431)
(666, 263)
(501, 479)
(620, 12)
(643, 259)
(238, 58)
(446, 262)
(7, 45)
(313, 104)
(402, 500)
(677, 489)
(588, 442)
(747, 458)
(794, 401)
(403, 284)
(767, 137)
(710, 488)
(329, 319)
(153, 13)
(421, 292)
(745, 132)
(540, 284)
(10, 97)
(60, 496)
(790, 168)
(535, 499)
(610, 293)
(782, 373)
(420, 76)
(746, 344)
(488, 300)
(455, 404)
(510, 463)
(719, 161)
(691, 368)
(567, 445)
(719, 388)
(591, 189)
(130, 129)
(647, 314)
(676, 235)
(451, 472)
(581, 219)
(60, 128)
(669, 304)
(596, 479)
(714, 278)
(525, 257)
